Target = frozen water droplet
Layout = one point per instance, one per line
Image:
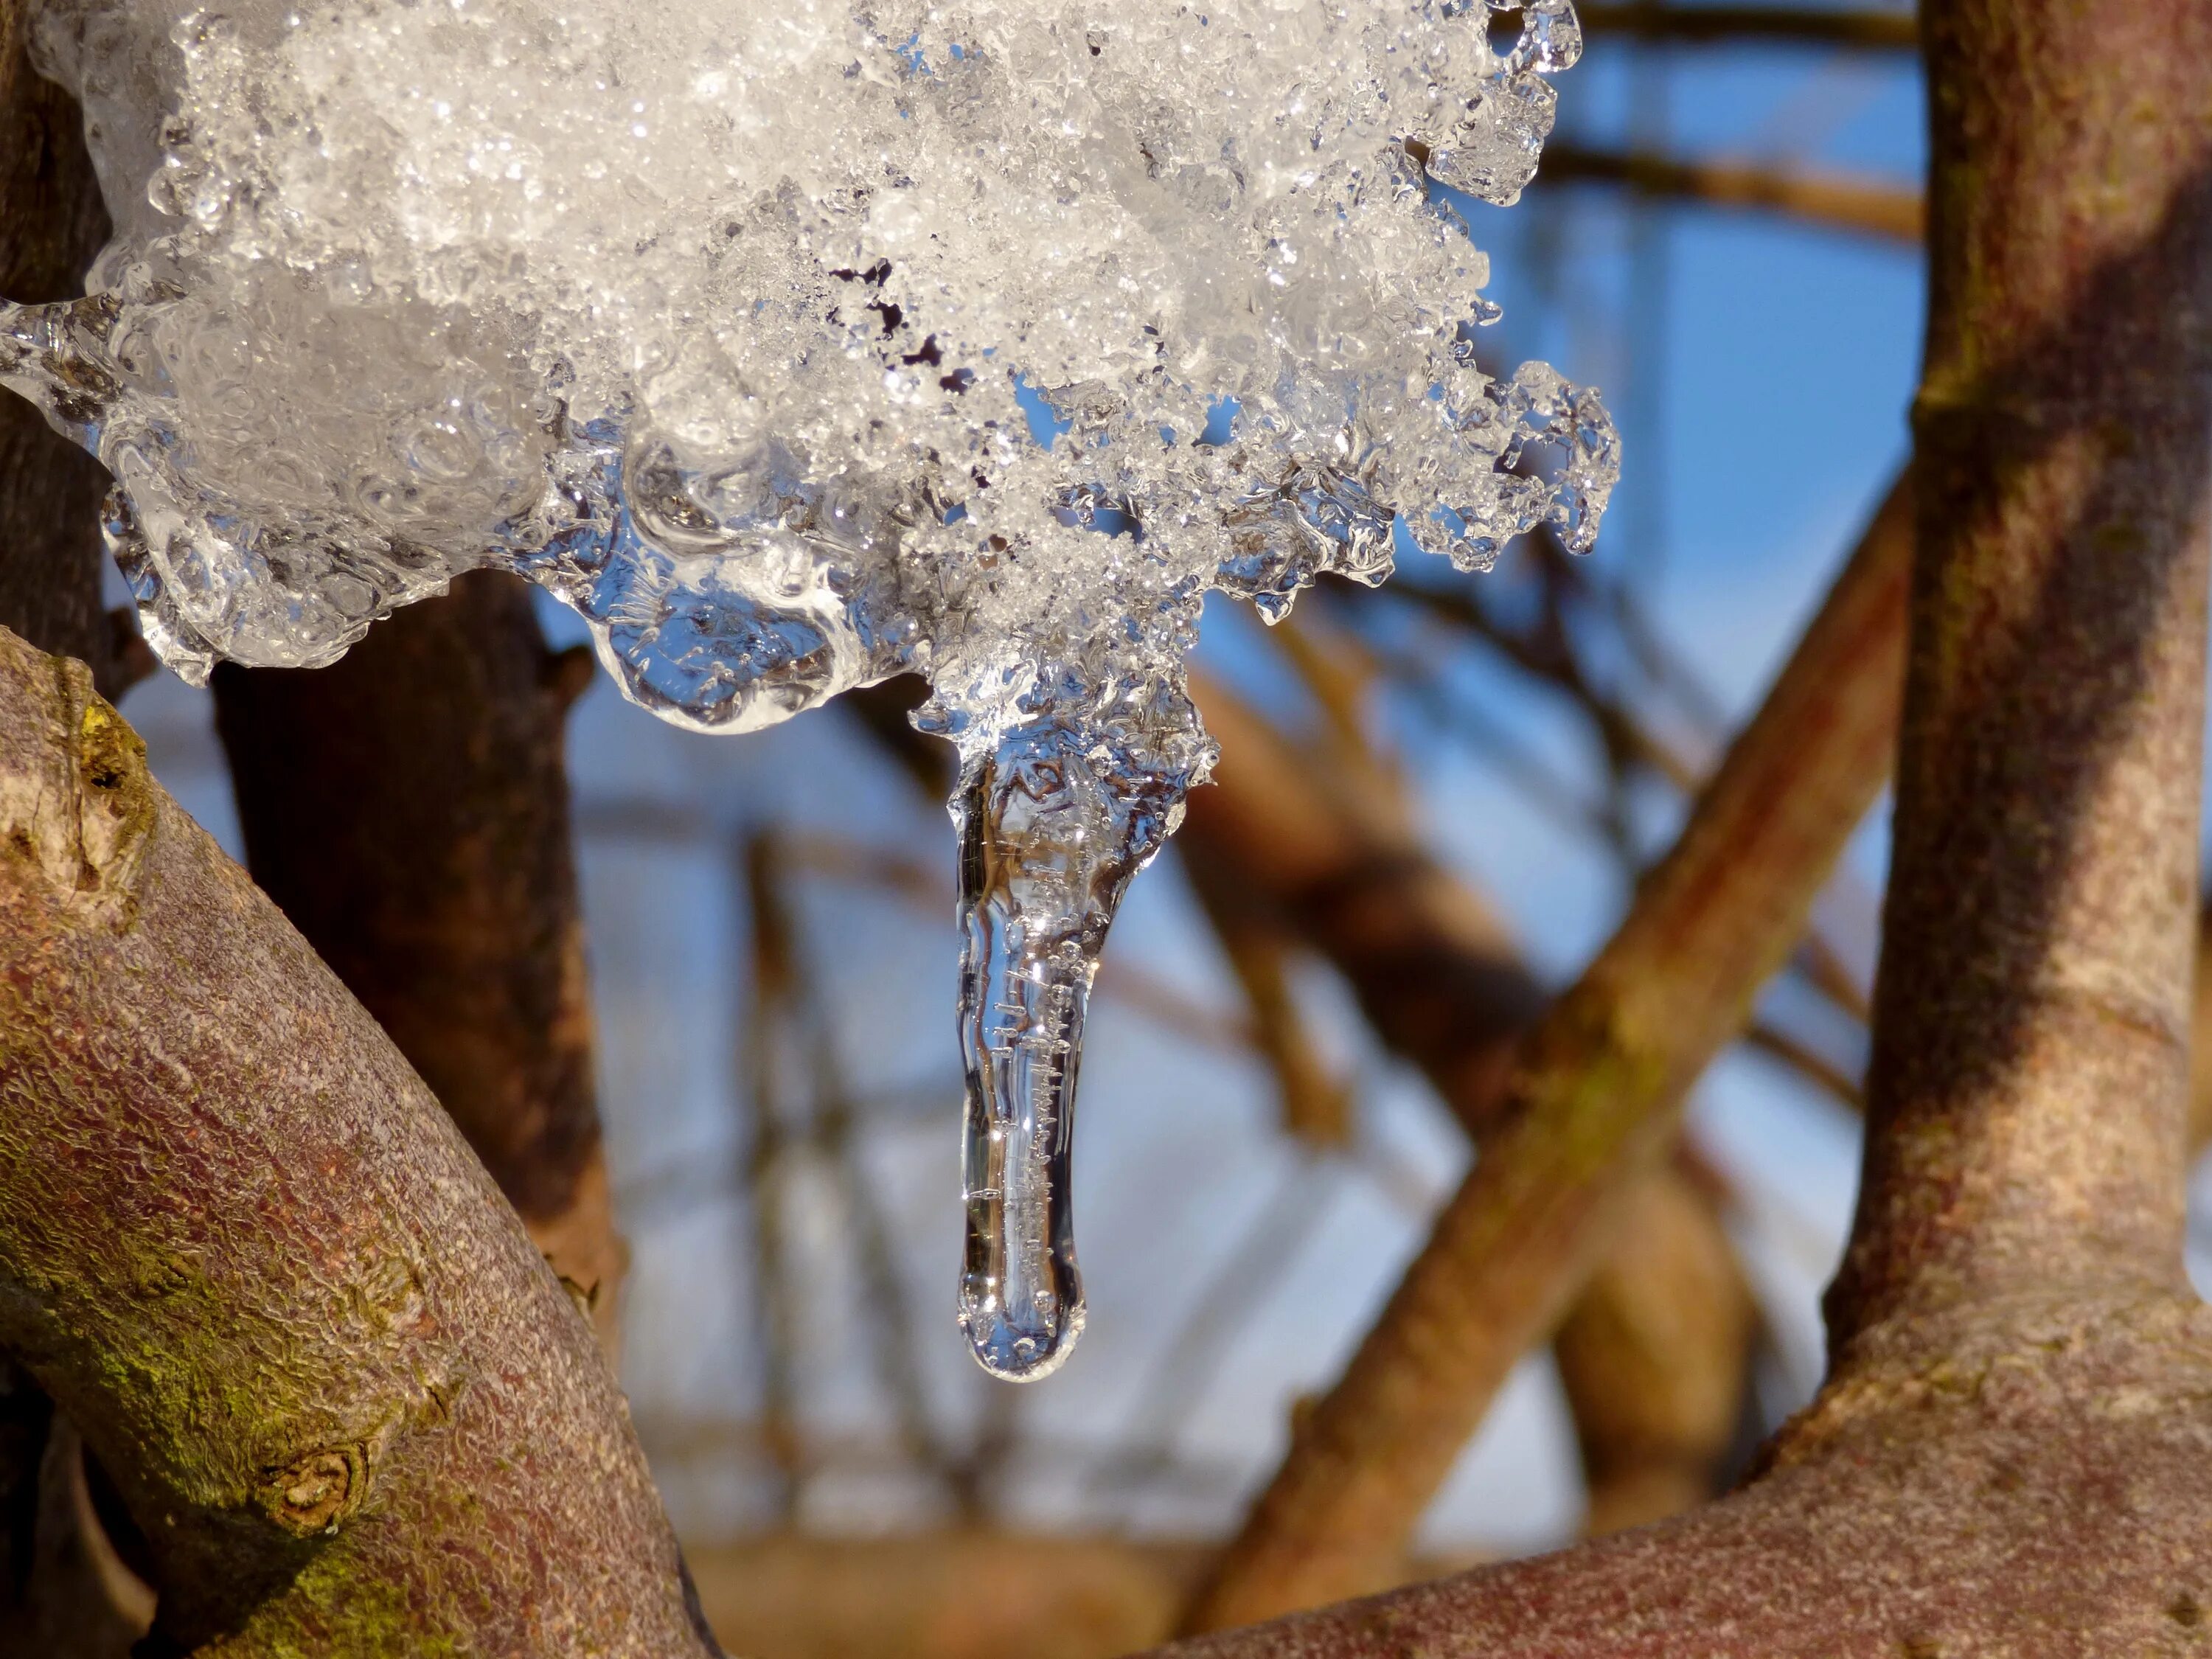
(1049, 836)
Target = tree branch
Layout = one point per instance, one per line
(1592, 1107)
(407, 809)
(246, 1251)
(2200, 1039)
(2027, 1085)
(1317, 842)
(52, 222)
(1653, 1356)
(1653, 1359)
(1728, 26)
(1836, 203)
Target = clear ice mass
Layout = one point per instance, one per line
(716, 319)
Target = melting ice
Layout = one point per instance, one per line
(710, 317)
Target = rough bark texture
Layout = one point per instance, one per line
(56, 1598)
(2040, 1496)
(244, 1249)
(408, 810)
(2027, 1083)
(1591, 1108)
(2011, 1455)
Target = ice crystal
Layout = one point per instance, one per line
(797, 343)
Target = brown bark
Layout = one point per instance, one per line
(2011, 1454)
(52, 224)
(2027, 1083)
(2200, 1042)
(792, 1595)
(408, 810)
(1837, 204)
(914, 1595)
(1591, 1109)
(244, 1249)
(1316, 1103)
(2008, 1503)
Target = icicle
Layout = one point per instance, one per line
(1023, 997)
(1050, 834)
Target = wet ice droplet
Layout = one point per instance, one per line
(1035, 897)
(1052, 827)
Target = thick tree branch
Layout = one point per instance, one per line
(53, 1604)
(1592, 1107)
(2027, 1085)
(407, 809)
(246, 1251)
(1837, 204)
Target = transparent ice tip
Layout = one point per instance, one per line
(1050, 834)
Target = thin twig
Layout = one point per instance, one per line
(1807, 1063)
(776, 1338)
(1727, 26)
(1868, 207)
(1194, 1355)
(893, 1330)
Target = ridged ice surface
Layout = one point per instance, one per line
(740, 326)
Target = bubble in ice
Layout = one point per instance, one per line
(795, 343)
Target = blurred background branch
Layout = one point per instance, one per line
(1878, 31)
(1832, 202)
